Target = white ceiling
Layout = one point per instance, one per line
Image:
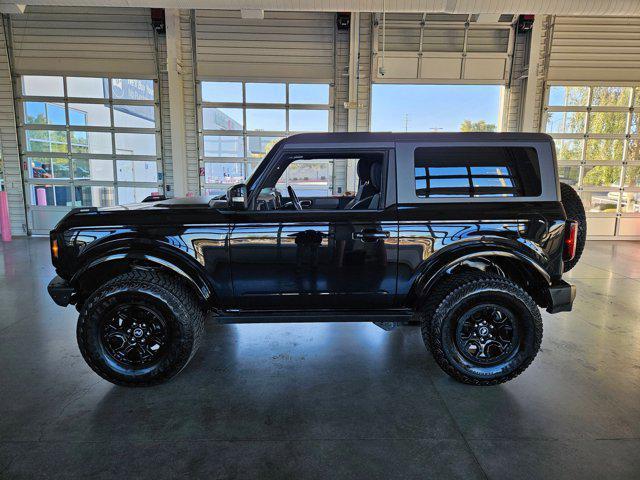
(557, 7)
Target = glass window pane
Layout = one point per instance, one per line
(569, 175)
(93, 169)
(635, 122)
(44, 113)
(309, 93)
(52, 196)
(223, 146)
(137, 170)
(132, 89)
(90, 142)
(222, 92)
(266, 92)
(633, 152)
(46, 140)
(600, 201)
(569, 149)
(41, 85)
(60, 168)
(135, 194)
(630, 202)
(565, 122)
(309, 178)
(89, 114)
(632, 176)
(611, 96)
(608, 122)
(609, 150)
(441, 171)
(216, 192)
(95, 196)
(266, 119)
(251, 167)
(568, 96)
(601, 176)
(87, 87)
(309, 120)
(40, 167)
(134, 116)
(222, 118)
(225, 173)
(136, 143)
(258, 147)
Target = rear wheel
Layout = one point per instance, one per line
(486, 331)
(574, 209)
(140, 328)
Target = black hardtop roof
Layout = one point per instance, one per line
(363, 137)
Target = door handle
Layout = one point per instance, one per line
(370, 236)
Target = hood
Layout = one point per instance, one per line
(202, 201)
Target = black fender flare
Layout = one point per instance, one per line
(181, 265)
(478, 256)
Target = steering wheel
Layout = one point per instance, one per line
(294, 198)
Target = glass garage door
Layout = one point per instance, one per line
(241, 121)
(87, 141)
(597, 137)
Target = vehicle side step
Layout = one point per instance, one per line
(300, 316)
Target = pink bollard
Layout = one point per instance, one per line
(41, 197)
(5, 225)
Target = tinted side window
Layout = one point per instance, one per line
(477, 172)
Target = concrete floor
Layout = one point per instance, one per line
(324, 400)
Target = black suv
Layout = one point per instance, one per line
(467, 234)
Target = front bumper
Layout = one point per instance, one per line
(562, 295)
(60, 291)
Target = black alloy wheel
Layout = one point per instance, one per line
(134, 335)
(487, 334)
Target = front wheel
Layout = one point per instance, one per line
(486, 331)
(140, 329)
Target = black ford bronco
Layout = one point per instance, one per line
(467, 234)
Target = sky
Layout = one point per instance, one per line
(432, 106)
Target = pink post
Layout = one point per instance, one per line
(41, 196)
(5, 225)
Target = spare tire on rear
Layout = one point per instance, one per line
(575, 211)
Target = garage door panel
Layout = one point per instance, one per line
(282, 45)
(442, 48)
(440, 67)
(599, 226)
(595, 49)
(484, 69)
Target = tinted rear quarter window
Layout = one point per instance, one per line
(476, 172)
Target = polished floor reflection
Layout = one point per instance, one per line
(324, 400)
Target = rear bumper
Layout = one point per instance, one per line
(60, 291)
(561, 297)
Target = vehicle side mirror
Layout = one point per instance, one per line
(237, 198)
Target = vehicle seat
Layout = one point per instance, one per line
(364, 170)
(368, 196)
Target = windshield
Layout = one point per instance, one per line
(261, 166)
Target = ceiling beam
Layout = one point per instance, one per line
(548, 7)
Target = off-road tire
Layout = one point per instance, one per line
(434, 298)
(180, 309)
(464, 295)
(574, 209)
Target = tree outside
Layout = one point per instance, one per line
(479, 126)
